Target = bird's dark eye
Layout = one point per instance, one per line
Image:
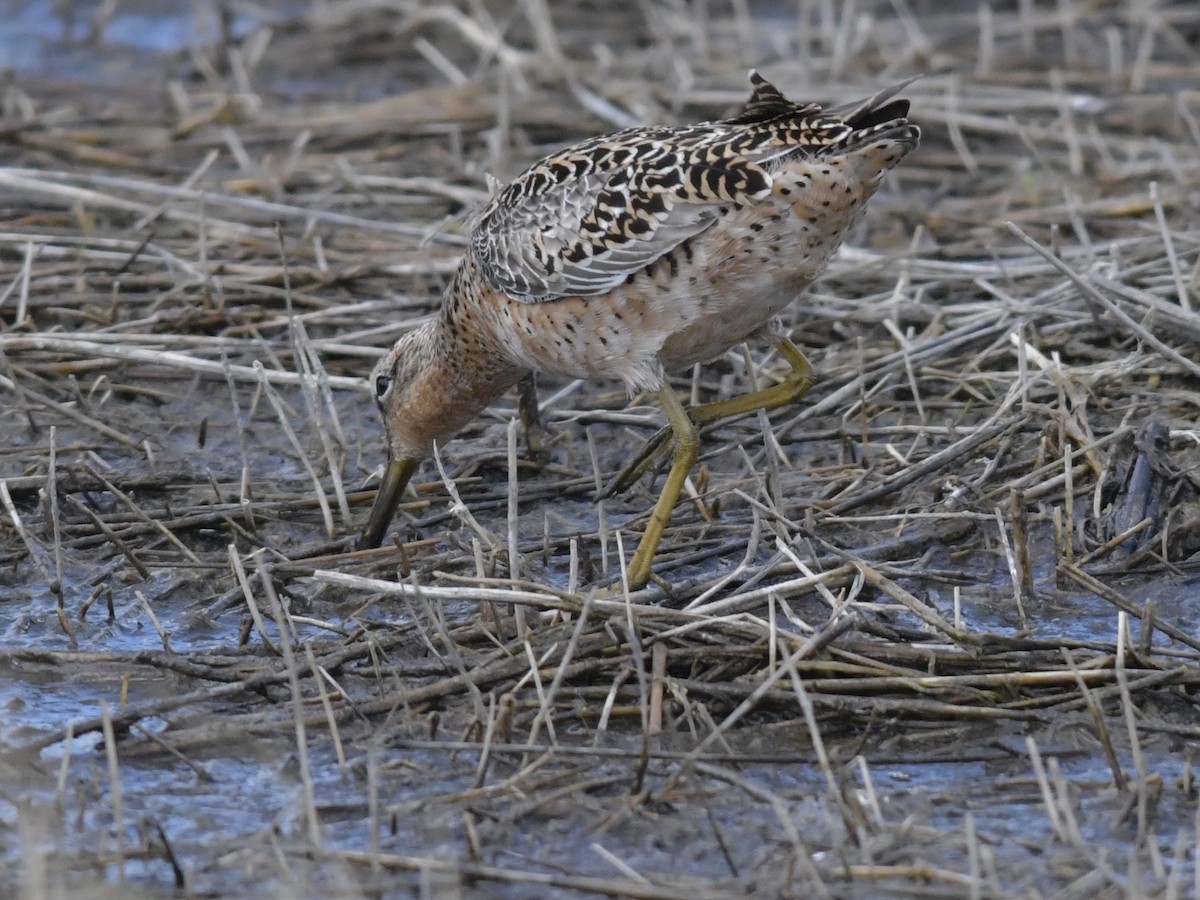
(382, 383)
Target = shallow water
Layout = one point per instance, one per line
(44, 38)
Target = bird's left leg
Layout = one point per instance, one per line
(794, 385)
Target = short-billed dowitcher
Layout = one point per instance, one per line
(639, 253)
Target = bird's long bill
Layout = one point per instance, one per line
(395, 479)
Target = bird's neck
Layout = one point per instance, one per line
(465, 378)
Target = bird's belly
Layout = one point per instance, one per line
(642, 328)
(755, 264)
(721, 324)
(689, 306)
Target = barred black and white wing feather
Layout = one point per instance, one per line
(580, 222)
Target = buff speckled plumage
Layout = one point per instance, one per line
(638, 253)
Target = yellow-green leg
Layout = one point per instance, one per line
(795, 385)
(686, 446)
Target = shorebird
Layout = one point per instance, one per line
(635, 254)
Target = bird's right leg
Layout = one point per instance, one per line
(685, 447)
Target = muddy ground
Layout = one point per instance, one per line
(931, 632)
